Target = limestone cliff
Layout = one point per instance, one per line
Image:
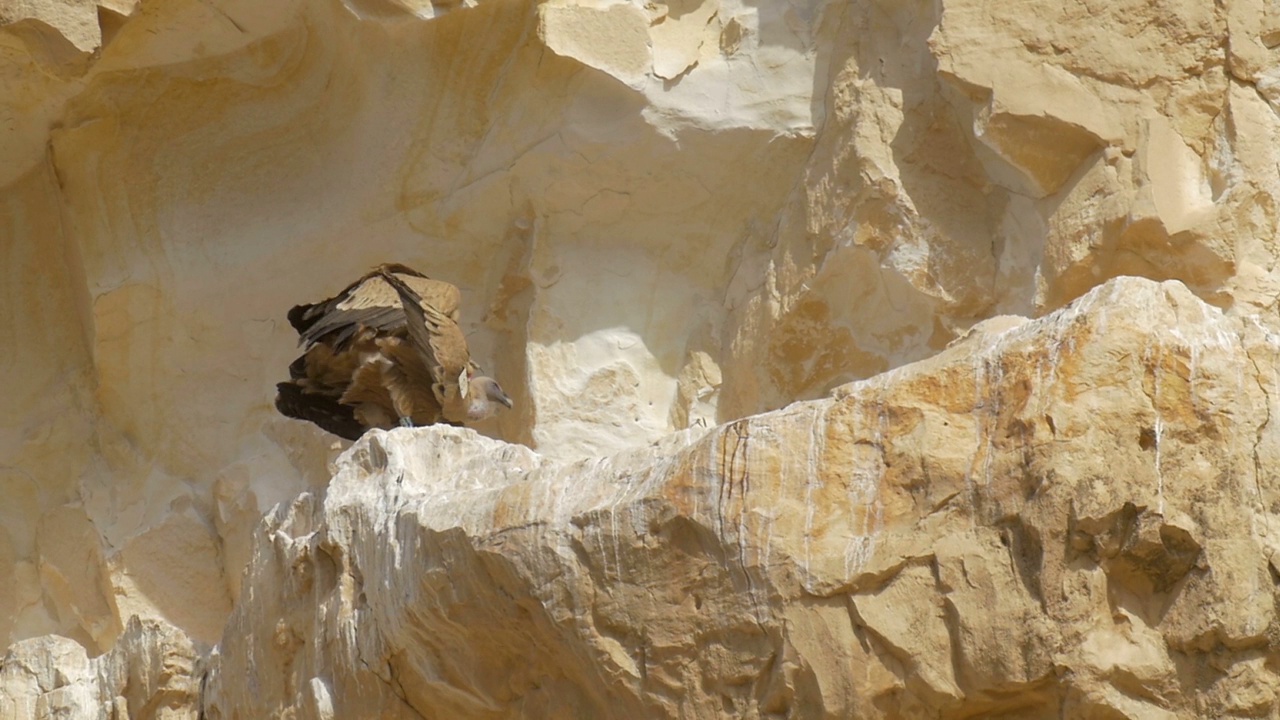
(1067, 518)
(682, 229)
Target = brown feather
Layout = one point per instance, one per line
(437, 338)
(369, 303)
(322, 410)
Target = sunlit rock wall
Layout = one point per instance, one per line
(1070, 517)
(154, 671)
(662, 216)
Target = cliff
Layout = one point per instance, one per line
(836, 392)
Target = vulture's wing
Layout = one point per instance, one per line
(441, 295)
(323, 410)
(437, 338)
(368, 302)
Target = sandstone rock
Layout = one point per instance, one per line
(665, 216)
(1064, 517)
(153, 672)
(208, 148)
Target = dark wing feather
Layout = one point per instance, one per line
(323, 410)
(337, 326)
(298, 368)
(303, 317)
(370, 303)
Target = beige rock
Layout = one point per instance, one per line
(153, 152)
(152, 673)
(73, 20)
(1068, 516)
(667, 216)
(613, 38)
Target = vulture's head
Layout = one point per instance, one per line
(486, 395)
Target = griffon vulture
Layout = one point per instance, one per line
(386, 350)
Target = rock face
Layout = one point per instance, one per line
(679, 227)
(154, 671)
(1070, 517)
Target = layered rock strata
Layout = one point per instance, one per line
(153, 673)
(1066, 517)
(664, 216)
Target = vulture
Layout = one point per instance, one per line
(385, 351)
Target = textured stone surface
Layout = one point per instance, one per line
(153, 673)
(664, 216)
(1067, 517)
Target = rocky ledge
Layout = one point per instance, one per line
(1067, 516)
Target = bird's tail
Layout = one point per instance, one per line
(323, 410)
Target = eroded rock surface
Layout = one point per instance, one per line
(153, 673)
(665, 217)
(1066, 517)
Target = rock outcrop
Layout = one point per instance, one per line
(1066, 517)
(679, 227)
(153, 673)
